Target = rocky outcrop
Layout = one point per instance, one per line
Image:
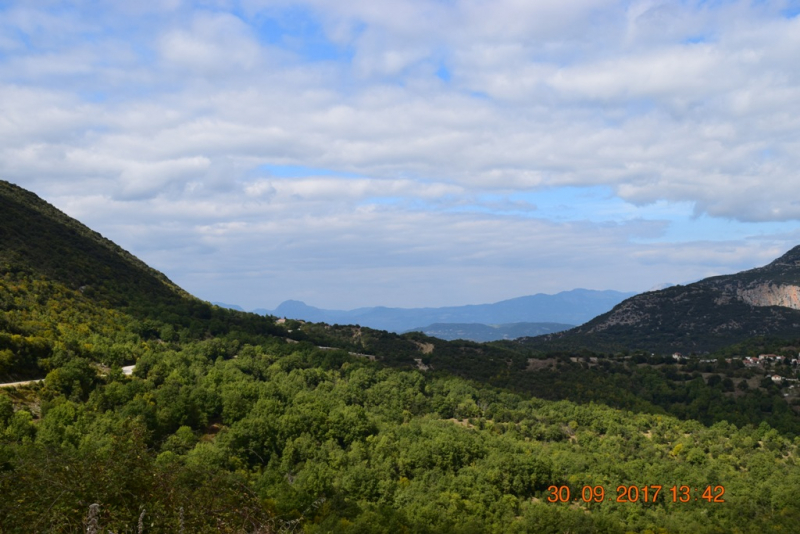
(787, 296)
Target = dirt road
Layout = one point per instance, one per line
(127, 370)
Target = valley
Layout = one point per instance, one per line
(237, 422)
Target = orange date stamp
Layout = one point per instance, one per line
(638, 494)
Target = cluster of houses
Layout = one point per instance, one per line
(763, 359)
(749, 361)
(678, 357)
(779, 379)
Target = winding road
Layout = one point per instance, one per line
(127, 370)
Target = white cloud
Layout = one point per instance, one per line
(213, 45)
(163, 118)
(146, 180)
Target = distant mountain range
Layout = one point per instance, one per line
(699, 317)
(483, 332)
(568, 307)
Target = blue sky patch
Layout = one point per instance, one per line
(300, 171)
(298, 30)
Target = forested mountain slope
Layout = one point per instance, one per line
(232, 423)
(36, 235)
(57, 277)
(699, 317)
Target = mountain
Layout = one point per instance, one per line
(39, 239)
(56, 271)
(699, 317)
(570, 307)
(484, 332)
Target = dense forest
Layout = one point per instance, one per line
(233, 422)
(709, 388)
(220, 435)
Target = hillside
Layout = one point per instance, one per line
(570, 307)
(59, 280)
(232, 423)
(38, 237)
(699, 317)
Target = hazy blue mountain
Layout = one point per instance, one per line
(484, 332)
(569, 307)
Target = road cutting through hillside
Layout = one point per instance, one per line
(127, 371)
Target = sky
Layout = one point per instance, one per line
(411, 153)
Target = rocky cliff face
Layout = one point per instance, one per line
(787, 296)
